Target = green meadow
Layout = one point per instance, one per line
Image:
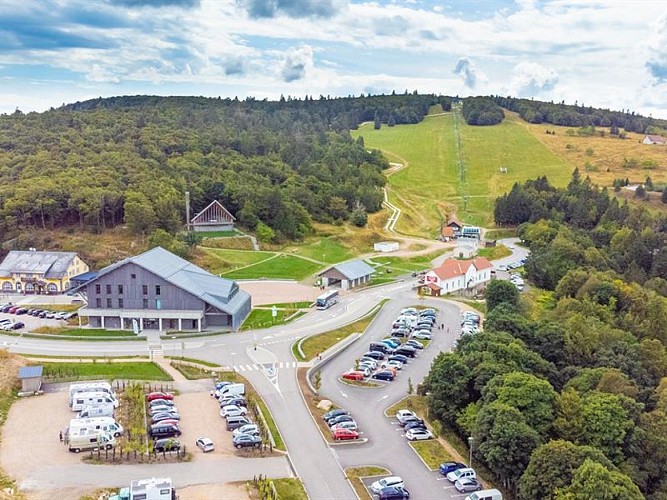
(282, 266)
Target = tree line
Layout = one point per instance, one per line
(481, 111)
(566, 397)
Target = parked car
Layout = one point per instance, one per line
(252, 429)
(466, 484)
(344, 434)
(387, 482)
(158, 417)
(154, 410)
(404, 415)
(6, 308)
(159, 395)
(21, 310)
(350, 424)
(417, 434)
(13, 309)
(391, 343)
(161, 402)
(393, 493)
(415, 343)
(373, 362)
(422, 335)
(393, 364)
(169, 421)
(234, 400)
(400, 332)
(406, 350)
(414, 424)
(233, 411)
(163, 430)
(399, 357)
(447, 467)
(35, 312)
(339, 419)
(17, 325)
(354, 375)
(378, 356)
(205, 444)
(167, 444)
(383, 375)
(246, 440)
(457, 474)
(334, 413)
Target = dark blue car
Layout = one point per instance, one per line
(383, 375)
(448, 467)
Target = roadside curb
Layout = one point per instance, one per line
(349, 442)
(377, 386)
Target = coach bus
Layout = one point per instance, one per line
(326, 300)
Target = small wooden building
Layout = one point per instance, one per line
(347, 275)
(214, 217)
(31, 378)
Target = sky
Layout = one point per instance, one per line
(610, 53)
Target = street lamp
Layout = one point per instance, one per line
(234, 361)
(470, 440)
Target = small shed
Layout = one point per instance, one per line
(214, 217)
(431, 289)
(31, 378)
(386, 246)
(347, 275)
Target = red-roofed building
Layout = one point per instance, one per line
(455, 275)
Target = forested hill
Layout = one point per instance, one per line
(277, 166)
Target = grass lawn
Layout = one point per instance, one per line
(325, 249)
(263, 318)
(492, 253)
(85, 332)
(356, 473)
(414, 403)
(432, 452)
(402, 265)
(479, 306)
(320, 343)
(219, 234)
(496, 234)
(111, 371)
(193, 360)
(290, 489)
(281, 267)
(217, 260)
(191, 372)
(291, 305)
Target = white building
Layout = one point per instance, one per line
(386, 246)
(456, 275)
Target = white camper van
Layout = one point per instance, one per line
(101, 424)
(230, 390)
(83, 440)
(89, 387)
(101, 410)
(83, 399)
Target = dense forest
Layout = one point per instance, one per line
(566, 396)
(276, 165)
(481, 111)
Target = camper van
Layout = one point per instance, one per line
(102, 424)
(83, 439)
(83, 399)
(90, 387)
(101, 410)
(485, 495)
(230, 390)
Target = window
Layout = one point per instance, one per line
(133, 276)
(144, 289)
(109, 289)
(145, 304)
(157, 289)
(98, 289)
(109, 306)
(120, 303)
(120, 289)
(98, 303)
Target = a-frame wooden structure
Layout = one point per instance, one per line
(214, 217)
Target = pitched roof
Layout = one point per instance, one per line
(447, 232)
(432, 286)
(30, 371)
(452, 268)
(353, 269)
(657, 138)
(454, 220)
(216, 208)
(218, 292)
(50, 264)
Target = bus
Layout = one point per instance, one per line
(326, 300)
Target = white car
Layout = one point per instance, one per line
(422, 335)
(393, 364)
(387, 482)
(205, 444)
(350, 425)
(233, 411)
(403, 415)
(461, 473)
(246, 429)
(418, 434)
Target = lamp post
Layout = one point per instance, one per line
(470, 440)
(234, 361)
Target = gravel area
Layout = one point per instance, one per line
(277, 292)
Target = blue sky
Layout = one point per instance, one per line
(603, 53)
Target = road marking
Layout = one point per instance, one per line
(343, 394)
(383, 397)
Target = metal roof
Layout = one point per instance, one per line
(49, 264)
(353, 269)
(221, 293)
(83, 277)
(30, 371)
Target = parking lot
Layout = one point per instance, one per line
(32, 322)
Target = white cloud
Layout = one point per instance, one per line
(531, 79)
(469, 73)
(296, 62)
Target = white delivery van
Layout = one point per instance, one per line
(231, 390)
(84, 439)
(485, 495)
(83, 399)
(102, 410)
(101, 424)
(90, 387)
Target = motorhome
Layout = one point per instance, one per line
(99, 386)
(84, 439)
(101, 410)
(83, 399)
(102, 424)
(230, 390)
(155, 488)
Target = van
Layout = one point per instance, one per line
(485, 495)
(90, 387)
(379, 347)
(103, 424)
(102, 410)
(83, 399)
(84, 439)
(236, 422)
(231, 390)
(157, 431)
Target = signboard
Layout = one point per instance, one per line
(274, 311)
(135, 326)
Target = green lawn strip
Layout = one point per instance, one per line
(414, 403)
(193, 360)
(324, 249)
(111, 371)
(431, 452)
(251, 393)
(320, 343)
(283, 266)
(493, 253)
(93, 332)
(305, 304)
(189, 335)
(55, 307)
(103, 358)
(219, 261)
(479, 306)
(369, 384)
(76, 338)
(192, 372)
(496, 234)
(355, 474)
(401, 265)
(218, 234)
(290, 488)
(263, 318)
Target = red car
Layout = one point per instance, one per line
(12, 310)
(353, 375)
(159, 395)
(343, 434)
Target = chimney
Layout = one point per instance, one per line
(187, 210)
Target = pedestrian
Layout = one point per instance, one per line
(442, 326)
(447, 329)
(61, 436)
(319, 356)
